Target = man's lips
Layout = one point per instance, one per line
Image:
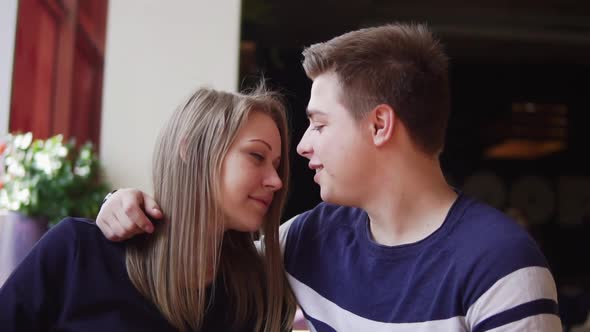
(316, 177)
(315, 166)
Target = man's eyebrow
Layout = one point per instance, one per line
(311, 112)
(261, 141)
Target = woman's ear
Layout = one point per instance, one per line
(382, 121)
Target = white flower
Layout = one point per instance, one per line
(23, 196)
(84, 154)
(16, 170)
(82, 171)
(62, 151)
(23, 141)
(55, 165)
(43, 162)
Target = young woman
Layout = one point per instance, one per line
(220, 174)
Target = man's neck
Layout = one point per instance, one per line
(410, 204)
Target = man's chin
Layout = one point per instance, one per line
(331, 197)
(328, 196)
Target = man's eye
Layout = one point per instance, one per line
(317, 128)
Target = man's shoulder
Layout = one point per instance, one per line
(324, 217)
(485, 232)
(325, 224)
(494, 252)
(325, 214)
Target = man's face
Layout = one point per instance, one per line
(335, 144)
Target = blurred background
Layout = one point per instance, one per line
(112, 71)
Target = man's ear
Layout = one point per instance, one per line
(382, 122)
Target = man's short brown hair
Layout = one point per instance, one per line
(401, 65)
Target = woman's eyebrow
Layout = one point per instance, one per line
(261, 141)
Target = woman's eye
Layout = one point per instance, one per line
(257, 156)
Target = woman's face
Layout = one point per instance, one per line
(249, 176)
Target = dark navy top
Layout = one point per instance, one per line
(479, 271)
(76, 280)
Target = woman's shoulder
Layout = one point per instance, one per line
(75, 222)
(65, 231)
(72, 236)
(76, 228)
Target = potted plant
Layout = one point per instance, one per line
(41, 182)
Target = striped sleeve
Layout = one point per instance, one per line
(283, 232)
(524, 300)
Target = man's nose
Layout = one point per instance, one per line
(304, 148)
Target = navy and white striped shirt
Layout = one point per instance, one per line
(479, 271)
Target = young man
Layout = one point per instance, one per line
(393, 248)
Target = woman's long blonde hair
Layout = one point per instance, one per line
(172, 267)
